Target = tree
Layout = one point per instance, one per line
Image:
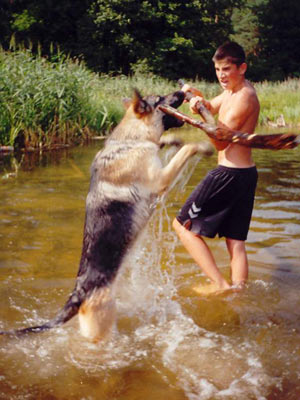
(245, 26)
(43, 22)
(279, 39)
(174, 39)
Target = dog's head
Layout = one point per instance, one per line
(149, 104)
(144, 120)
(146, 111)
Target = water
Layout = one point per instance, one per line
(168, 341)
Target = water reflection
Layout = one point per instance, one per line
(169, 342)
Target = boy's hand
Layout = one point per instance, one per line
(190, 92)
(185, 88)
(194, 97)
(195, 102)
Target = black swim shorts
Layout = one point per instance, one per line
(221, 204)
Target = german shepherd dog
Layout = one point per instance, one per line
(126, 178)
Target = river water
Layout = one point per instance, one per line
(169, 342)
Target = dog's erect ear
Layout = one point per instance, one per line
(126, 102)
(140, 106)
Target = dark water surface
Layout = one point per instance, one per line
(169, 343)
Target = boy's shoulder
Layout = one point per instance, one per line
(247, 93)
(248, 89)
(239, 106)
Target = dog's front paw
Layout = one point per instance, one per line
(170, 140)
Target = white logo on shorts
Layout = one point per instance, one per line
(194, 211)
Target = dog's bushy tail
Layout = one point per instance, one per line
(70, 309)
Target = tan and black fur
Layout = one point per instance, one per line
(126, 178)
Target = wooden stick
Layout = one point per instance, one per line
(276, 141)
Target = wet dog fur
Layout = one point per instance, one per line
(126, 178)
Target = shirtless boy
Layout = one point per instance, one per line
(222, 203)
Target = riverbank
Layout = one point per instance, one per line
(58, 102)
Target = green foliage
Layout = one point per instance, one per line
(245, 27)
(23, 21)
(174, 39)
(279, 45)
(44, 22)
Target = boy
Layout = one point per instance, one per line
(222, 203)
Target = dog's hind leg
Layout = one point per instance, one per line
(97, 314)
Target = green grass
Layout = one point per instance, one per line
(278, 98)
(275, 98)
(60, 102)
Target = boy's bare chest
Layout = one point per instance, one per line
(229, 104)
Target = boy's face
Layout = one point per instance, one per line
(229, 75)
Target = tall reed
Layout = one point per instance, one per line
(49, 103)
(280, 98)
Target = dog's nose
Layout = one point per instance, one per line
(176, 99)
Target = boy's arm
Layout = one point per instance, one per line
(213, 106)
(242, 116)
(276, 141)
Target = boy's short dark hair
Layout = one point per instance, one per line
(232, 51)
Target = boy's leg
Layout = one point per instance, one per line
(199, 251)
(239, 261)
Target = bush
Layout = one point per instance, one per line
(48, 103)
